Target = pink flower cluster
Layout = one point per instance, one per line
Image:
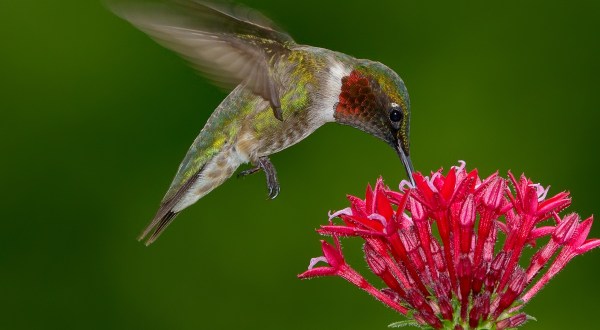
(437, 246)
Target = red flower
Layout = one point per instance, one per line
(433, 246)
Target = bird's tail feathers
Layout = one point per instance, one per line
(165, 214)
(157, 227)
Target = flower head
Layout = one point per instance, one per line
(437, 248)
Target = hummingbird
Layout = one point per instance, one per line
(282, 92)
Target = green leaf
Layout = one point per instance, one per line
(405, 323)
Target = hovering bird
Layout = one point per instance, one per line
(282, 92)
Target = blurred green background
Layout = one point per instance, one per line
(96, 117)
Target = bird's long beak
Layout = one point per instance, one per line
(406, 162)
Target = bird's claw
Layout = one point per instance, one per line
(272, 183)
(273, 186)
(273, 191)
(265, 164)
(248, 172)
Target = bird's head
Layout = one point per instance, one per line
(373, 98)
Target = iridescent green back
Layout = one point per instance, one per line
(221, 128)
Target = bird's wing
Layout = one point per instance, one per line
(228, 43)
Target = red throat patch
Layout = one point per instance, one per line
(357, 95)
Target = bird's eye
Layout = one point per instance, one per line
(395, 115)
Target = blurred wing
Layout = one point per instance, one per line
(229, 44)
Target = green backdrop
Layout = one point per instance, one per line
(96, 117)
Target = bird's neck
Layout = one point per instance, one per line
(328, 96)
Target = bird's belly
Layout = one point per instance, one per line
(216, 171)
(252, 145)
(276, 144)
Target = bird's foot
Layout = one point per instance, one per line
(248, 172)
(272, 183)
(271, 174)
